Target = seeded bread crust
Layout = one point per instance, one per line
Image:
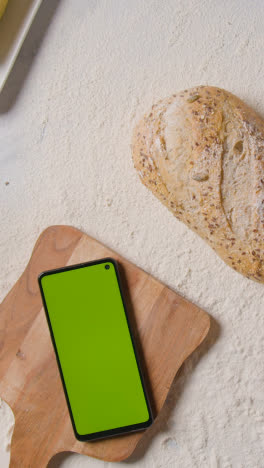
(201, 152)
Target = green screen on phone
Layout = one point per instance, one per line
(94, 349)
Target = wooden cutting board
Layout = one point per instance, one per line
(167, 328)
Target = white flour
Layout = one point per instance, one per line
(65, 151)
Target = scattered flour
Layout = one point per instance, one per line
(65, 151)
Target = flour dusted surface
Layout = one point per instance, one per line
(65, 151)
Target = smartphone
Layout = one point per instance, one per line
(95, 351)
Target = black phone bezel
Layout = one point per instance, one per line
(114, 431)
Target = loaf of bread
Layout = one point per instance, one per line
(201, 152)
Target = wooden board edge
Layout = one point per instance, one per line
(46, 231)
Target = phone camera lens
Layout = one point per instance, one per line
(107, 267)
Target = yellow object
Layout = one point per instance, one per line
(3, 4)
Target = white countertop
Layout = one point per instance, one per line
(86, 72)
